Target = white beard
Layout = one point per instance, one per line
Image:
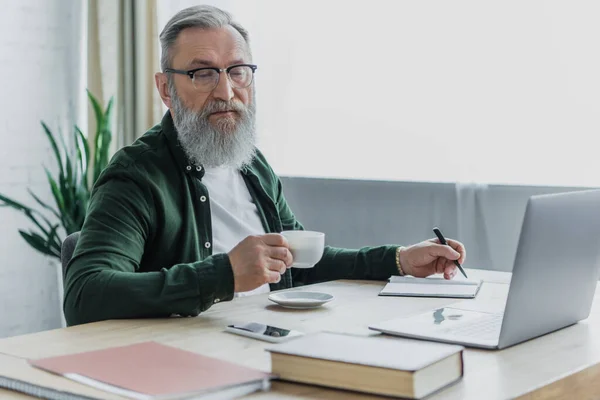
(230, 143)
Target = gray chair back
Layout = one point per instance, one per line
(67, 249)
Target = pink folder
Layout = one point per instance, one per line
(151, 370)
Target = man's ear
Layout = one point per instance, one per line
(162, 85)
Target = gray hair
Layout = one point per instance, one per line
(203, 16)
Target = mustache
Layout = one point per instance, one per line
(222, 106)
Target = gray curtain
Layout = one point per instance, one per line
(355, 213)
(123, 55)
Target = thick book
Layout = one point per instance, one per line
(372, 364)
(152, 371)
(431, 287)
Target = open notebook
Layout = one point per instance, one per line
(431, 287)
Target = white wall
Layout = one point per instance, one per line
(39, 63)
(495, 92)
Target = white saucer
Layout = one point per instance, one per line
(300, 300)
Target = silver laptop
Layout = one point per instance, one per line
(554, 279)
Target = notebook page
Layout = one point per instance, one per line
(429, 289)
(434, 281)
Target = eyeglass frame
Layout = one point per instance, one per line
(191, 73)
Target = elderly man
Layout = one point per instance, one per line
(190, 214)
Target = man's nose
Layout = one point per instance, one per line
(224, 90)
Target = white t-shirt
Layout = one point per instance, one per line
(234, 215)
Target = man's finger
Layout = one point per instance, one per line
(458, 246)
(449, 271)
(281, 253)
(441, 250)
(277, 265)
(273, 276)
(450, 264)
(275, 239)
(440, 265)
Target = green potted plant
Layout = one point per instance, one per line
(78, 170)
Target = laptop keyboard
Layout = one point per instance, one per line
(487, 328)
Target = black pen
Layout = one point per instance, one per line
(442, 239)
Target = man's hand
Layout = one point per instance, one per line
(257, 260)
(430, 257)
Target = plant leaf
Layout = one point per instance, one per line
(45, 231)
(29, 212)
(97, 108)
(67, 191)
(99, 114)
(43, 204)
(56, 193)
(103, 138)
(37, 242)
(14, 204)
(69, 170)
(31, 216)
(65, 148)
(109, 108)
(106, 133)
(54, 148)
(53, 237)
(83, 154)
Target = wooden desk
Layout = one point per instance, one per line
(562, 364)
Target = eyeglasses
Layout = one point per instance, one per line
(206, 79)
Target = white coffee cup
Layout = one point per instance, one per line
(306, 247)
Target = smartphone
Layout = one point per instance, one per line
(267, 333)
